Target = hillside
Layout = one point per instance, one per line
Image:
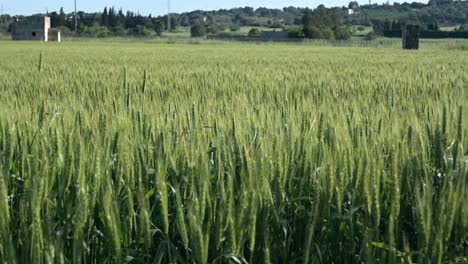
(446, 13)
(117, 22)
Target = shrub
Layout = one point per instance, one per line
(234, 28)
(158, 28)
(3, 27)
(343, 34)
(215, 29)
(319, 33)
(327, 33)
(142, 31)
(119, 31)
(462, 28)
(255, 32)
(296, 33)
(65, 30)
(371, 36)
(96, 31)
(198, 30)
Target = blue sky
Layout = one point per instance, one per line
(157, 7)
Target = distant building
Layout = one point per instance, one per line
(35, 28)
(410, 37)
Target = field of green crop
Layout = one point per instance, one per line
(234, 153)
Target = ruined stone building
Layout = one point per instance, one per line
(410, 37)
(35, 28)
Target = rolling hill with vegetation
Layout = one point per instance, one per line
(112, 22)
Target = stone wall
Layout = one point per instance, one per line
(274, 35)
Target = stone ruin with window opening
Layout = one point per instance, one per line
(35, 29)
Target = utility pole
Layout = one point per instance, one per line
(76, 19)
(168, 15)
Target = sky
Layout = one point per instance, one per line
(157, 7)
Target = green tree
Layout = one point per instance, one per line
(105, 18)
(321, 23)
(142, 31)
(307, 22)
(234, 28)
(65, 30)
(371, 36)
(112, 18)
(320, 33)
(62, 18)
(353, 5)
(198, 30)
(433, 26)
(296, 32)
(343, 33)
(119, 31)
(158, 27)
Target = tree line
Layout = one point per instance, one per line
(320, 22)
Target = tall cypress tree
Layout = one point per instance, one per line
(105, 18)
(112, 17)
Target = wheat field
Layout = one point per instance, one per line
(232, 153)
